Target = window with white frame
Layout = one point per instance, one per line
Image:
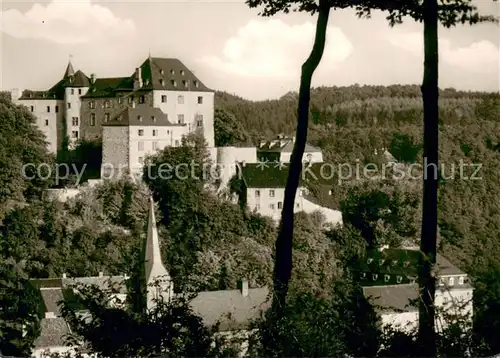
(271, 193)
(200, 100)
(74, 134)
(140, 132)
(257, 193)
(141, 99)
(106, 117)
(280, 205)
(163, 99)
(180, 119)
(92, 104)
(92, 119)
(74, 121)
(461, 280)
(180, 99)
(140, 146)
(451, 281)
(155, 132)
(155, 145)
(48, 109)
(106, 104)
(271, 206)
(46, 122)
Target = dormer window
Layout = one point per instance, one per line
(182, 73)
(162, 82)
(387, 278)
(369, 261)
(162, 72)
(172, 72)
(153, 118)
(139, 118)
(329, 192)
(451, 281)
(399, 279)
(174, 83)
(461, 280)
(196, 84)
(185, 83)
(381, 262)
(375, 276)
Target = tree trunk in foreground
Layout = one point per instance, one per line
(283, 260)
(430, 93)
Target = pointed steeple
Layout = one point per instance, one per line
(155, 270)
(69, 70)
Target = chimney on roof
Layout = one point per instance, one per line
(138, 78)
(243, 287)
(92, 78)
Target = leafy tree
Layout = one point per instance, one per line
(404, 148)
(431, 14)
(228, 131)
(20, 311)
(383, 216)
(342, 323)
(24, 158)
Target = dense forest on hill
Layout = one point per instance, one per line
(350, 123)
(209, 244)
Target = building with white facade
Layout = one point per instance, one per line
(389, 279)
(232, 311)
(262, 185)
(281, 148)
(77, 106)
(57, 110)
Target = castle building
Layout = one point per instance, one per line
(388, 278)
(231, 311)
(78, 106)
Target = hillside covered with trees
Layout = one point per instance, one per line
(209, 244)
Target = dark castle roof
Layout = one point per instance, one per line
(167, 74)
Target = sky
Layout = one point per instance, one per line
(231, 48)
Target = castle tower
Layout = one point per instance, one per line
(76, 85)
(154, 268)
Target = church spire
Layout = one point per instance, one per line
(155, 270)
(69, 70)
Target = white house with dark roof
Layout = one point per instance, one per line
(231, 311)
(263, 190)
(388, 277)
(281, 148)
